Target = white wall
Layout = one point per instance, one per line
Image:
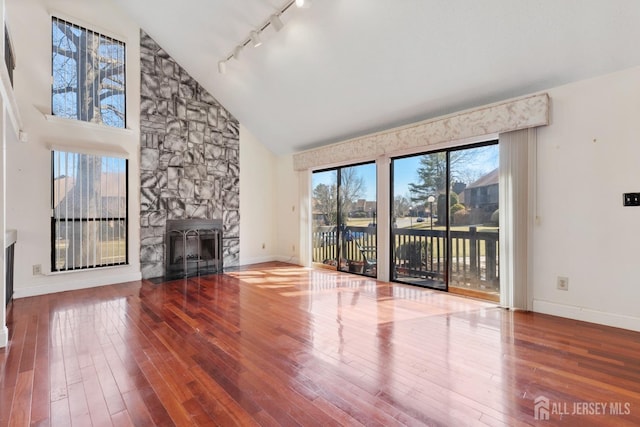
(258, 234)
(269, 207)
(588, 157)
(288, 219)
(29, 164)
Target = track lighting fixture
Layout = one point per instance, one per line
(255, 39)
(254, 36)
(236, 52)
(275, 22)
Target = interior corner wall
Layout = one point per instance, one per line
(28, 175)
(258, 201)
(190, 160)
(288, 203)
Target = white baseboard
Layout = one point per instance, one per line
(587, 315)
(257, 260)
(288, 259)
(4, 336)
(75, 284)
(270, 258)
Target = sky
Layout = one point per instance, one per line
(484, 160)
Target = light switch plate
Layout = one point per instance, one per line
(631, 199)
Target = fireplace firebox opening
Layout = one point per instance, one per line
(193, 247)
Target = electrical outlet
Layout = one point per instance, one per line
(563, 283)
(37, 269)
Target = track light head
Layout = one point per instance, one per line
(303, 3)
(275, 22)
(222, 67)
(236, 52)
(255, 39)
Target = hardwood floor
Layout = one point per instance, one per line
(277, 344)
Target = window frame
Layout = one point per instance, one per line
(56, 219)
(122, 107)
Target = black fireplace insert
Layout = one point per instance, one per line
(193, 247)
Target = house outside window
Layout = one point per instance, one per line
(89, 211)
(88, 75)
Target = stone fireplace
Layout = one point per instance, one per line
(189, 166)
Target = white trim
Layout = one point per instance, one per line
(9, 97)
(10, 237)
(86, 270)
(68, 285)
(288, 259)
(87, 125)
(106, 150)
(4, 336)
(257, 260)
(587, 315)
(271, 258)
(305, 213)
(383, 217)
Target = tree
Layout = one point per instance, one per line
(432, 177)
(401, 206)
(352, 188)
(325, 201)
(432, 173)
(88, 75)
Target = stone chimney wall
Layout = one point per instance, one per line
(190, 163)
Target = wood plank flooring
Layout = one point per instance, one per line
(276, 344)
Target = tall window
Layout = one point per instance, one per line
(344, 218)
(88, 72)
(445, 230)
(89, 206)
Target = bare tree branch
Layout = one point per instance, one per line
(64, 52)
(66, 30)
(112, 71)
(114, 110)
(110, 93)
(66, 89)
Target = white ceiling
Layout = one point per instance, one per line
(344, 68)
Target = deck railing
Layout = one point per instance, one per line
(419, 253)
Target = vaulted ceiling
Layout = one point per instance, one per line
(344, 68)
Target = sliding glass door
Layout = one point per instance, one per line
(419, 231)
(344, 211)
(445, 220)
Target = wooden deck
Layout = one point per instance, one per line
(277, 344)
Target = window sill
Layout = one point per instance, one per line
(85, 270)
(87, 125)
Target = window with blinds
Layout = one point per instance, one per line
(88, 75)
(89, 211)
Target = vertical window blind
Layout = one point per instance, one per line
(88, 75)
(89, 211)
